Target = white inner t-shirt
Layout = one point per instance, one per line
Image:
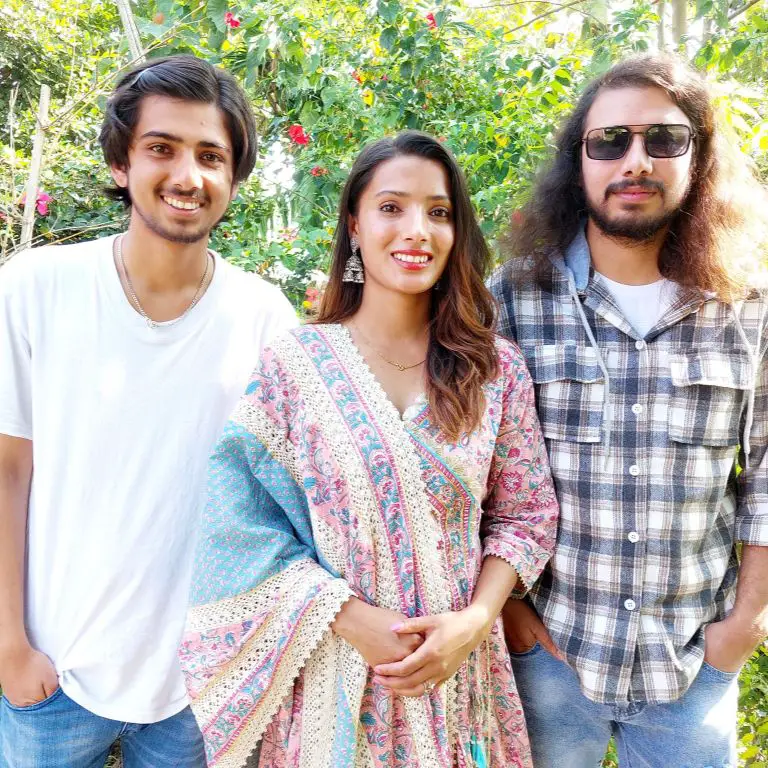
(122, 419)
(642, 305)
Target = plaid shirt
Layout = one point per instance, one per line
(645, 471)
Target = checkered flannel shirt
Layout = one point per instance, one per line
(645, 555)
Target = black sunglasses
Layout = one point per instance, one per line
(661, 140)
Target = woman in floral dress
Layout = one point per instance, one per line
(379, 492)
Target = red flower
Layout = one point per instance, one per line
(312, 293)
(230, 20)
(431, 20)
(356, 76)
(41, 202)
(297, 135)
(384, 78)
(319, 171)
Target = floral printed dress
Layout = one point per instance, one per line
(319, 491)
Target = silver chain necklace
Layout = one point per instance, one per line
(135, 299)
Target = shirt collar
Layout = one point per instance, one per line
(577, 259)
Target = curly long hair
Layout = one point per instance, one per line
(461, 355)
(714, 241)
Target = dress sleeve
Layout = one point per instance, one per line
(520, 511)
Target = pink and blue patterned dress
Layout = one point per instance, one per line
(320, 490)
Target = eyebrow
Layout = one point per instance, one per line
(395, 193)
(179, 140)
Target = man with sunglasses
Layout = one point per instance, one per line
(647, 346)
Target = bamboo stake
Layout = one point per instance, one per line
(28, 222)
(131, 30)
(679, 23)
(661, 40)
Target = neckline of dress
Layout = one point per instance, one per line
(411, 410)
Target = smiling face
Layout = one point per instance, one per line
(636, 196)
(404, 225)
(180, 168)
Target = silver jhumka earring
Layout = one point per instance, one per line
(353, 269)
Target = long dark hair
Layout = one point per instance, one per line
(719, 215)
(184, 77)
(461, 356)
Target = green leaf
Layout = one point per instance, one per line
(388, 38)
(703, 7)
(257, 49)
(216, 10)
(739, 46)
(216, 38)
(388, 10)
(328, 95)
(308, 115)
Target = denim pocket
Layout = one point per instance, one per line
(37, 705)
(530, 652)
(717, 674)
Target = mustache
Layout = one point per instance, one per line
(647, 184)
(191, 197)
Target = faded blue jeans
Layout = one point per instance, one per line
(567, 730)
(58, 733)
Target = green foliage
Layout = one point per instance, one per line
(753, 711)
(493, 84)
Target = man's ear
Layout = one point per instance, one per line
(119, 175)
(235, 190)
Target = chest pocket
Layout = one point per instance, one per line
(569, 391)
(709, 390)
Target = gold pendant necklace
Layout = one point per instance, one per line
(400, 366)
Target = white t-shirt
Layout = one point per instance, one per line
(122, 418)
(642, 305)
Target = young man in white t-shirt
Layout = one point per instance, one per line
(120, 360)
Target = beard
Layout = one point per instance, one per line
(175, 236)
(637, 227)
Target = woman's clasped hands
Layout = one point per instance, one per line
(411, 656)
(449, 639)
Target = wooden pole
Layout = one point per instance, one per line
(28, 221)
(679, 22)
(661, 7)
(131, 31)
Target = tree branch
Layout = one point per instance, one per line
(743, 8)
(558, 7)
(518, 2)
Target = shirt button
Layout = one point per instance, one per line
(634, 470)
(637, 409)
(633, 536)
(630, 605)
(640, 344)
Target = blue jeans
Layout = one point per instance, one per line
(567, 730)
(58, 733)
